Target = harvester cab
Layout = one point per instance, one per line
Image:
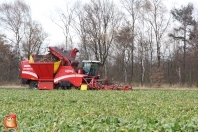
(91, 68)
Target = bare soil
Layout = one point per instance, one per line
(14, 87)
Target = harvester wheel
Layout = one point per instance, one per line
(33, 85)
(67, 87)
(57, 87)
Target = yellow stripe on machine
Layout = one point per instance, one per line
(31, 60)
(56, 66)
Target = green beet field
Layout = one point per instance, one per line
(101, 111)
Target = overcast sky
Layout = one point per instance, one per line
(43, 9)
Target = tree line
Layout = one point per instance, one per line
(138, 42)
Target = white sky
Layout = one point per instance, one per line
(43, 9)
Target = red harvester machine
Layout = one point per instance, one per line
(63, 72)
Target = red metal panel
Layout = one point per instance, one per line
(67, 73)
(46, 85)
(26, 71)
(43, 70)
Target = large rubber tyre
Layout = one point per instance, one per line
(33, 85)
(57, 87)
(67, 87)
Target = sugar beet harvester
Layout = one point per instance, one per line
(59, 69)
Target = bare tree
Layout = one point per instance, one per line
(33, 39)
(99, 20)
(79, 26)
(8, 69)
(142, 39)
(122, 51)
(14, 17)
(132, 8)
(158, 21)
(64, 21)
(193, 41)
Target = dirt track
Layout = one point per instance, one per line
(13, 87)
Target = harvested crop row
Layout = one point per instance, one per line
(49, 58)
